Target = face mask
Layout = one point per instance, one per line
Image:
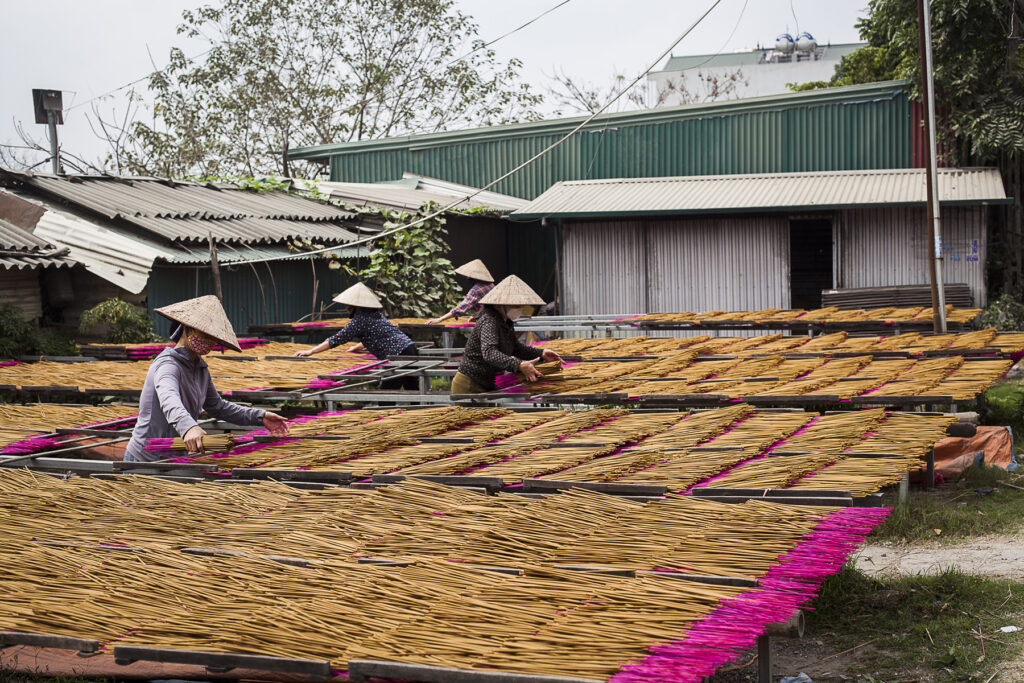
(200, 344)
(513, 313)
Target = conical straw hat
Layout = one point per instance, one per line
(512, 292)
(205, 314)
(359, 295)
(476, 270)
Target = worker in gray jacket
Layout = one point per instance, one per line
(178, 386)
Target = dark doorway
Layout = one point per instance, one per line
(810, 261)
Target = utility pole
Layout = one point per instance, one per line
(932, 175)
(49, 110)
(215, 269)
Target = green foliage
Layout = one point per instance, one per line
(1003, 404)
(124, 323)
(1005, 313)
(943, 627)
(18, 337)
(281, 74)
(409, 270)
(979, 66)
(869, 64)
(15, 332)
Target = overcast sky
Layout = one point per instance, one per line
(89, 47)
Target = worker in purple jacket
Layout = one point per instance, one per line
(369, 327)
(178, 386)
(481, 282)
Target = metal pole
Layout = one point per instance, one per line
(51, 122)
(934, 215)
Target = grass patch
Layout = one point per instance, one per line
(440, 384)
(942, 627)
(957, 510)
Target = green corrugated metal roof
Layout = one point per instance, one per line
(854, 127)
(747, 58)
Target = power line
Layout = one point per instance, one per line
(515, 170)
(724, 42)
(135, 82)
(506, 35)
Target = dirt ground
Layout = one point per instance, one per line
(992, 556)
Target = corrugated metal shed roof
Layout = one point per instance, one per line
(227, 254)
(20, 248)
(413, 192)
(190, 211)
(121, 259)
(747, 57)
(762, 192)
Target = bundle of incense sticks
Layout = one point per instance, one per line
(212, 443)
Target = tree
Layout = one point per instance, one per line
(409, 269)
(586, 98)
(978, 49)
(289, 73)
(868, 64)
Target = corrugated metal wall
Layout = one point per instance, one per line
(280, 293)
(604, 268)
(709, 264)
(883, 247)
(20, 287)
(658, 266)
(861, 132)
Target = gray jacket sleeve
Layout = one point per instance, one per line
(167, 385)
(216, 406)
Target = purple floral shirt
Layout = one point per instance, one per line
(472, 300)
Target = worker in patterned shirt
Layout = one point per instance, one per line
(492, 346)
(482, 282)
(370, 328)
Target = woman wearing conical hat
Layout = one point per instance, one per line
(493, 347)
(481, 282)
(178, 386)
(369, 327)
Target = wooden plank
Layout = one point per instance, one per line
(47, 640)
(365, 669)
(223, 661)
(614, 488)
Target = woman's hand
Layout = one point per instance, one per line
(194, 440)
(439, 320)
(304, 353)
(356, 348)
(277, 425)
(529, 371)
(550, 356)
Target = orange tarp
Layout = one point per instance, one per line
(955, 454)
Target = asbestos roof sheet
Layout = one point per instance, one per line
(14, 238)
(118, 258)
(244, 230)
(190, 211)
(413, 192)
(228, 254)
(762, 192)
(19, 249)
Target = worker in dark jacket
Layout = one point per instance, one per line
(371, 329)
(178, 386)
(493, 347)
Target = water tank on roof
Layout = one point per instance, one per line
(806, 42)
(784, 43)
